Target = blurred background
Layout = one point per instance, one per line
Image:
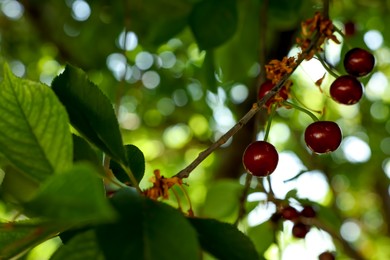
(182, 73)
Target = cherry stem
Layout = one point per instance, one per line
(301, 109)
(269, 122)
(327, 67)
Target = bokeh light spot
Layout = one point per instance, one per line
(81, 10)
(373, 39)
(151, 79)
(356, 150)
(239, 93)
(350, 231)
(12, 9)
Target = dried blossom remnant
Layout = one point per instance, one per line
(318, 24)
(276, 69)
(161, 186)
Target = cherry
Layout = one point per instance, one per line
(300, 230)
(260, 158)
(349, 28)
(346, 90)
(266, 87)
(275, 217)
(326, 256)
(290, 213)
(358, 62)
(308, 212)
(323, 136)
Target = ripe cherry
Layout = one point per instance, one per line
(346, 90)
(260, 158)
(326, 256)
(323, 136)
(300, 230)
(358, 62)
(266, 87)
(349, 28)
(308, 212)
(290, 213)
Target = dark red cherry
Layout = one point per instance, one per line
(346, 90)
(300, 230)
(260, 158)
(349, 28)
(290, 213)
(266, 87)
(358, 62)
(323, 136)
(308, 212)
(326, 256)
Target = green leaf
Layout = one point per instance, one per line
(157, 21)
(223, 240)
(213, 22)
(228, 191)
(135, 161)
(147, 230)
(90, 111)
(16, 237)
(34, 128)
(81, 247)
(76, 196)
(263, 236)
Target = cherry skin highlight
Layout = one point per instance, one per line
(358, 62)
(260, 158)
(323, 136)
(346, 90)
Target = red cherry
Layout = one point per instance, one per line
(260, 158)
(346, 90)
(290, 213)
(323, 136)
(358, 62)
(308, 212)
(349, 28)
(326, 256)
(300, 230)
(266, 87)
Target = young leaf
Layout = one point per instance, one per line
(81, 247)
(135, 161)
(263, 236)
(17, 237)
(213, 22)
(222, 240)
(147, 230)
(75, 196)
(34, 128)
(90, 111)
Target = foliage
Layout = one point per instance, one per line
(107, 107)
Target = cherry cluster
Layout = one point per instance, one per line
(299, 229)
(261, 158)
(347, 89)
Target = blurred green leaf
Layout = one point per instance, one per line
(222, 240)
(147, 230)
(34, 128)
(75, 196)
(135, 161)
(213, 22)
(81, 247)
(90, 112)
(263, 236)
(222, 200)
(17, 237)
(157, 21)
